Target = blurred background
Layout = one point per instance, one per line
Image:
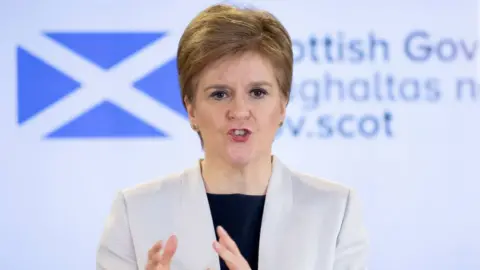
(385, 99)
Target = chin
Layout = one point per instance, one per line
(239, 156)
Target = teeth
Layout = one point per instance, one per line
(240, 132)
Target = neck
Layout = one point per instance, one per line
(223, 178)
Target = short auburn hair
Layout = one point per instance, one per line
(224, 30)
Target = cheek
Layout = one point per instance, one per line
(271, 118)
(209, 120)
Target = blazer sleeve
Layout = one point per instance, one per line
(115, 250)
(352, 242)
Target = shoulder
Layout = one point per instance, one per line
(163, 188)
(314, 190)
(337, 201)
(317, 185)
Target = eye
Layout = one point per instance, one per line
(219, 94)
(258, 92)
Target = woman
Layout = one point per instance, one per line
(240, 207)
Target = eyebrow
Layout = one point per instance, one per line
(216, 86)
(260, 83)
(224, 86)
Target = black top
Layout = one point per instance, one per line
(241, 216)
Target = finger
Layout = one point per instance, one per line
(149, 266)
(156, 259)
(155, 249)
(169, 251)
(153, 261)
(227, 241)
(152, 265)
(224, 253)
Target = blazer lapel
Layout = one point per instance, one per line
(277, 203)
(196, 231)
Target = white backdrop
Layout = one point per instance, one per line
(385, 99)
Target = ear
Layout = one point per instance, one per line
(190, 110)
(283, 109)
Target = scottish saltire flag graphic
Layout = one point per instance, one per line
(42, 85)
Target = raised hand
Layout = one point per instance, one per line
(227, 249)
(159, 259)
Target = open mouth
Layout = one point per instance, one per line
(240, 132)
(239, 135)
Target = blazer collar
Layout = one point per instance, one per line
(195, 225)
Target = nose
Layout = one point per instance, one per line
(239, 109)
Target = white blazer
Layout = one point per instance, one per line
(308, 224)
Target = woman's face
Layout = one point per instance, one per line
(238, 108)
